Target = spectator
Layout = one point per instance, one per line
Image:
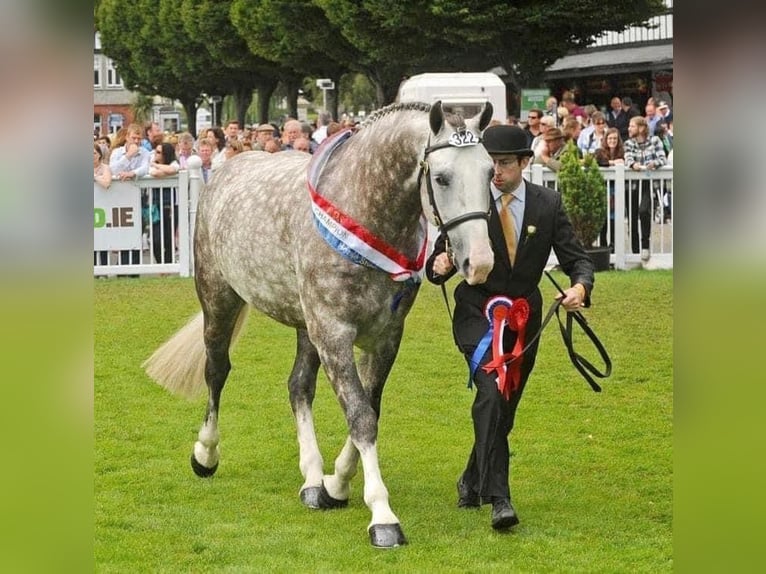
(105, 143)
(130, 161)
(665, 135)
(232, 130)
(571, 129)
(323, 120)
(102, 176)
(618, 117)
(532, 128)
(218, 137)
(574, 110)
(610, 153)
(118, 140)
(592, 136)
(233, 147)
(552, 148)
(551, 109)
(666, 115)
(302, 144)
(272, 146)
(642, 153)
(291, 131)
(152, 136)
(164, 209)
(651, 116)
(205, 150)
(306, 131)
(546, 123)
(263, 133)
(185, 148)
(333, 128)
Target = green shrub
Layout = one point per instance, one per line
(583, 192)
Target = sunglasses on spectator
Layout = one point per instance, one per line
(533, 117)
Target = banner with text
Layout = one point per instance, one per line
(116, 216)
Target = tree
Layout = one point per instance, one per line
(242, 70)
(150, 55)
(298, 36)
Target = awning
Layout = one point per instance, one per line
(617, 60)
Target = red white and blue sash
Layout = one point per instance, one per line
(501, 313)
(351, 239)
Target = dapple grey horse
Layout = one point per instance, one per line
(331, 246)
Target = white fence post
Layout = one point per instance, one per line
(619, 217)
(183, 223)
(194, 165)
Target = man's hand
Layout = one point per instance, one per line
(442, 264)
(573, 298)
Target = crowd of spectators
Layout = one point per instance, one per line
(611, 135)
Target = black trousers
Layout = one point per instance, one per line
(488, 469)
(162, 235)
(640, 213)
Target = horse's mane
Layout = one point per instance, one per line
(391, 108)
(455, 120)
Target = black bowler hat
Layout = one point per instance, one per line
(506, 140)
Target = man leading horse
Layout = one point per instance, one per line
(494, 319)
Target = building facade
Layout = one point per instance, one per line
(637, 62)
(111, 100)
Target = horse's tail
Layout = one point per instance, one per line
(179, 364)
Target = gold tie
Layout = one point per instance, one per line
(509, 228)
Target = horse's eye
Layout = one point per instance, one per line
(441, 180)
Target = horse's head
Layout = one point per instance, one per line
(455, 190)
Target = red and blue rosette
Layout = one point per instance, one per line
(501, 313)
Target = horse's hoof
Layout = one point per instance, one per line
(310, 497)
(387, 536)
(202, 471)
(327, 502)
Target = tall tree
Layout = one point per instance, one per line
(243, 70)
(148, 55)
(297, 35)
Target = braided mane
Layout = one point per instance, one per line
(391, 108)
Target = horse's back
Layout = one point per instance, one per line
(249, 218)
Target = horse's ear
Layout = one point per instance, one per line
(436, 117)
(486, 116)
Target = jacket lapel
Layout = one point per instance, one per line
(530, 218)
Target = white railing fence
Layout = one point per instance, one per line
(146, 227)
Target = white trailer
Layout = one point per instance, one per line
(460, 92)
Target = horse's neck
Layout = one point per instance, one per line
(374, 181)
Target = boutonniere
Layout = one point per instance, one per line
(531, 230)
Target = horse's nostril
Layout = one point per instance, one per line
(466, 265)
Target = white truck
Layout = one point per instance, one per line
(459, 92)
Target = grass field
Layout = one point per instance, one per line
(591, 473)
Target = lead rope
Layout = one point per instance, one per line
(583, 366)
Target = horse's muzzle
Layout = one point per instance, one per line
(477, 266)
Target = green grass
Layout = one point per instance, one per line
(591, 473)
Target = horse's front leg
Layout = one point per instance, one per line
(302, 387)
(362, 407)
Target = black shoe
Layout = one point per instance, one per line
(466, 496)
(503, 514)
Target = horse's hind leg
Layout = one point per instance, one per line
(224, 313)
(302, 387)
